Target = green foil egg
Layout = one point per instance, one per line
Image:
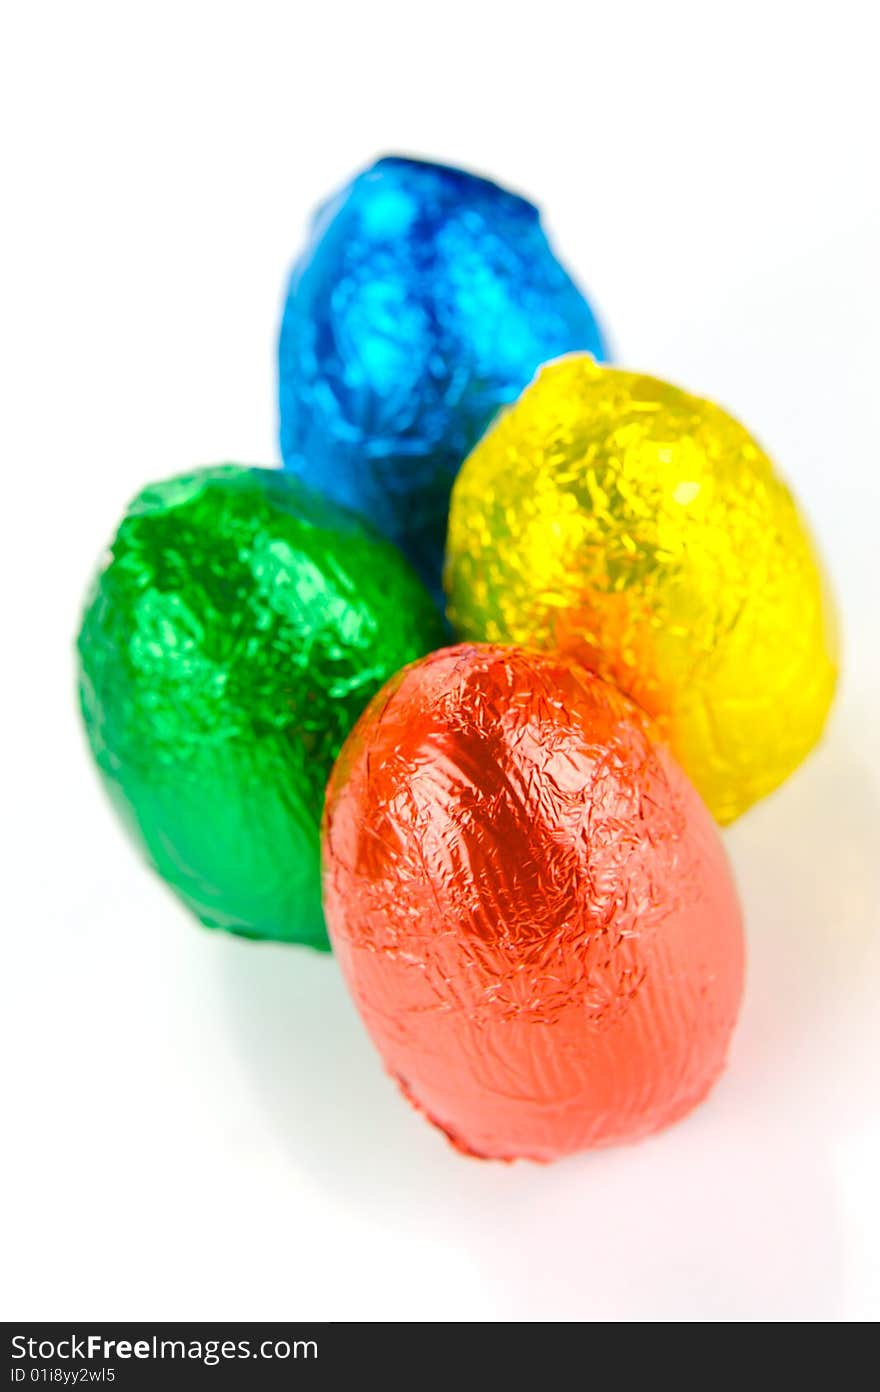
(235, 631)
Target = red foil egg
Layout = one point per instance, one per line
(531, 905)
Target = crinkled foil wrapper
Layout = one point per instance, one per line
(237, 629)
(531, 905)
(614, 517)
(425, 299)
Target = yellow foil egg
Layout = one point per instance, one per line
(618, 519)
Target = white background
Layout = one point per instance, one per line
(196, 1127)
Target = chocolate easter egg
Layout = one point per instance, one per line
(235, 631)
(531, 905)
(614, 517)
(424, 300)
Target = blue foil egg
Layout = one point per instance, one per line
(425, 299)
